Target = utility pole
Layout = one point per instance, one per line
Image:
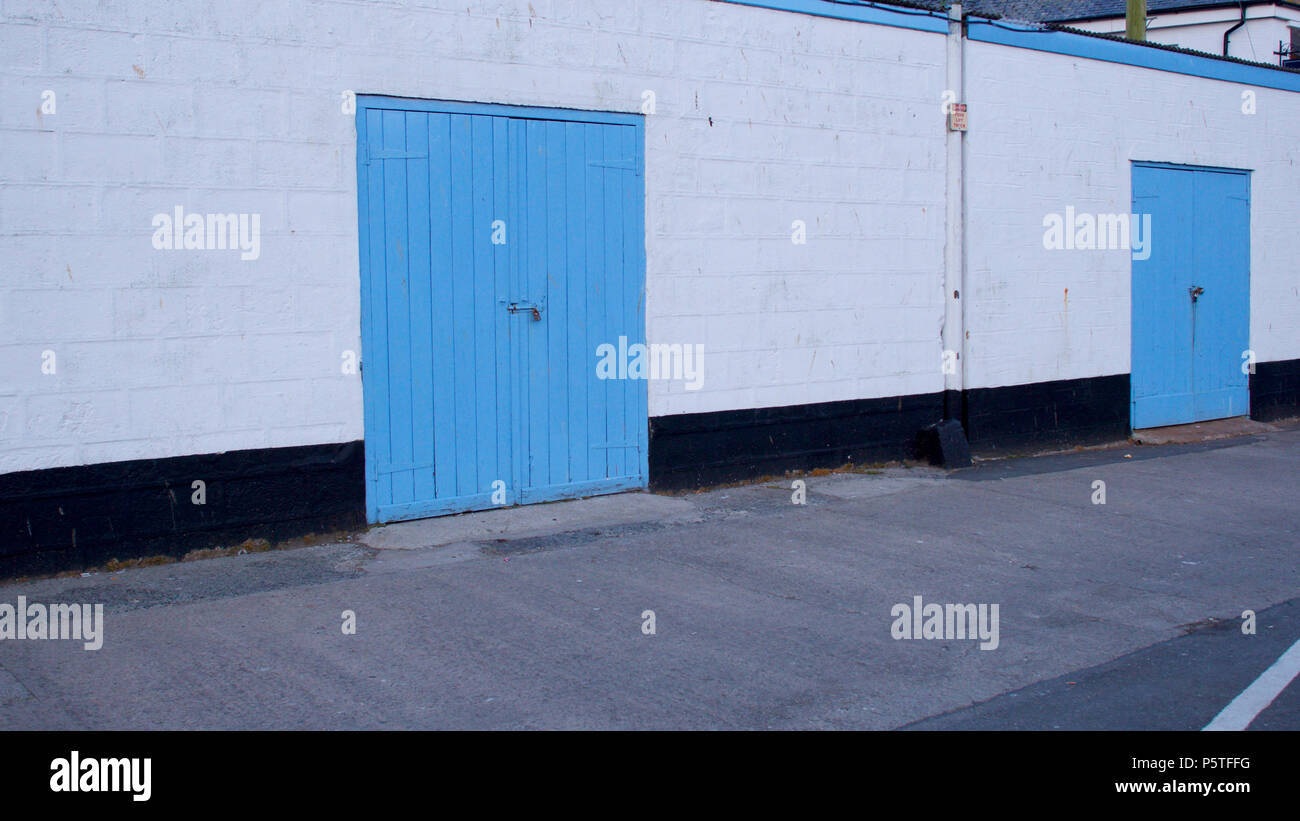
(1136, 20)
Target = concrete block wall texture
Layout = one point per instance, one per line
(761, 118)
(1050, 131)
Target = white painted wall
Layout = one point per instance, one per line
(235, 107)
(1050, 131)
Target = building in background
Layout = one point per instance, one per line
(1248, 29)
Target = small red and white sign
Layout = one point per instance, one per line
(957, 117)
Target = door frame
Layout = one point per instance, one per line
(370, 410)
(1248, 173)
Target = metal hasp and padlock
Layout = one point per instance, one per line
(1196, 292)
(522, 307)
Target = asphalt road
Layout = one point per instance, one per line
(1179, 684)
(767, 614)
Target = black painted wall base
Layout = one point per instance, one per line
(1044, 414)
(694, 450)
(697, 449)
(76, 517)
(1275, 390)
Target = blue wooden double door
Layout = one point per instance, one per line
(500, 246)
(1191, 295)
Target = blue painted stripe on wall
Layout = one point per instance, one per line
(901, 18)
(1115, 51)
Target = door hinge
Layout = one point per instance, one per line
(624, 165)
(367, 155)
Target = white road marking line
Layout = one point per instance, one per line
(1254, 699)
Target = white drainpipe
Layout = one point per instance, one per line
(954, 325)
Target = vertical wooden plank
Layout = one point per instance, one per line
(534, 333)
(420, 268)
(1237, 270)
(579, 352)
(442, 340)
(380, 372)
(1150, 350)
(633, 298)
(1172, 304)
(637, 273)
(502, 187)
(373, 347)
(615, 181)
(397, 258)
(462, 299)
(597, 317)
(517, 145)
(485, 308)
(555, 319)
(1205, 246)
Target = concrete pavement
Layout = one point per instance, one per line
(767, 614)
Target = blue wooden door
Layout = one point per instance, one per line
(499, 246)
(1191, 296)
(580, 217)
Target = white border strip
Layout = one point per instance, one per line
(1254, 699)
